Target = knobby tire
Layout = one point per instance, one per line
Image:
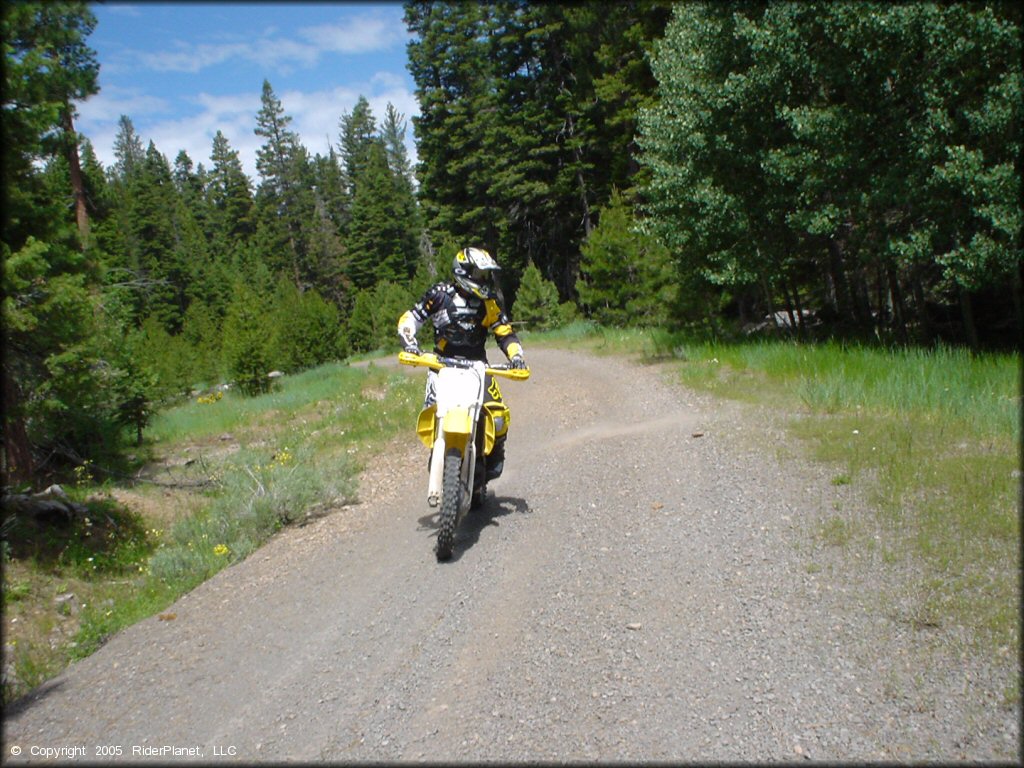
(451, 499)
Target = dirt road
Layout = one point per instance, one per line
(643, 584)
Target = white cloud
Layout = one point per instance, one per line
(123, 10)
(112, 102)
(195, 58)
(360, 35)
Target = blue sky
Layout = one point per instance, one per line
(183, 71)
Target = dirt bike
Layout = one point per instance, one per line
(459, 428)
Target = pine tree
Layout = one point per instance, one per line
(156, 224)
(306, 328)
(526, 117)
(374, 317)
(285, 201)
(247, 335)
(393, 135)
(229, 194)
(331, 191)
(380, 247)
(452, 62)
(626, 275)
(536, 307)
(358, 131)
(128, 151)
(326, 246)
(190, 184)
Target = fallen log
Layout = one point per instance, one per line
(51, 504)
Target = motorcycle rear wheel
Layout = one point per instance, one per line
(451, 500)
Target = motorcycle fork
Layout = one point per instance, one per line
(436, 470)
(463, 442)
(437, 454)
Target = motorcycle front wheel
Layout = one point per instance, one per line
(451, 500)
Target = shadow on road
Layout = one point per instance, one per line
(32, 698)
(468, 532)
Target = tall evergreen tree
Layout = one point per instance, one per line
(330, 219)
(274, 163)
(358, 130)
(285, 201)
(190, 183)
(392, 133)
(380, 248)
(229, 194)
(50, 370)
(331, 189)
(451, 60)
(128, 150)
(170, 246)
(516, 147)
(48, 66)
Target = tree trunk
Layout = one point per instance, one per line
(767, 288)
(789, 306)
(917, 288)
(75, 170)
(837, 270)
(573, 265)
(17, 459)
(967, 312)
(1018, 302)
(862, 300)
(883, 295)
(799, 307)
(898, 305)
(52, 504)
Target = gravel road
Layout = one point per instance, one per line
(644, 583)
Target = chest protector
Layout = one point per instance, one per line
(459, 325)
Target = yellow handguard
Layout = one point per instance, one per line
(430, 360)
(424, 360)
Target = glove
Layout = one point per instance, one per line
(409, 343)
(517, 363)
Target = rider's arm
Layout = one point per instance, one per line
(498, 323)
(412, 320)
(408, 326)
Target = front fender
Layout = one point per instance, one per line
(457, 426)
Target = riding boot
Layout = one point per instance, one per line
(496, 459)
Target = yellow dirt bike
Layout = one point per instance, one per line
(460, 429)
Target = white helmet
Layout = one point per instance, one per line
(474, 272)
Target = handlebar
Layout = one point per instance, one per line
(436, 362)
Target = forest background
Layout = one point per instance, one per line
(828, 170)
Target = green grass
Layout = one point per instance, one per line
(195, 419)
(293, 451)
(930, 436)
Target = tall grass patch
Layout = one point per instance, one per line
(268, 462)
(933, 438)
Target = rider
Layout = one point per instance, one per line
(462, 314)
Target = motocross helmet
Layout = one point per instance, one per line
(474, 270)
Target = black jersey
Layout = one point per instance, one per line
(461, 323)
